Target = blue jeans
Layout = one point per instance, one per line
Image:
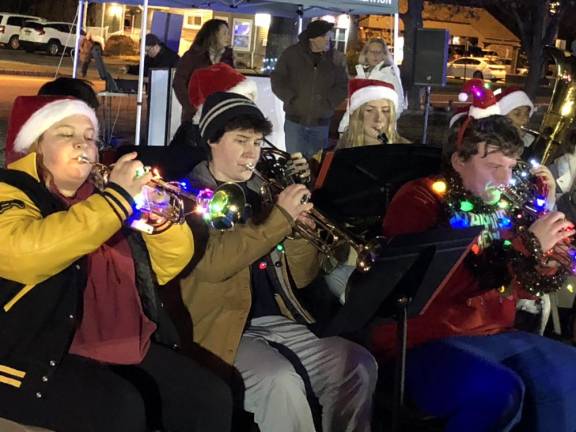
(307, 140)
(493, 383)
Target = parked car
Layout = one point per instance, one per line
(464, 67)
(52, 37)
(10, 25)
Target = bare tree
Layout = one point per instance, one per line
(411, 15)
(536, 23)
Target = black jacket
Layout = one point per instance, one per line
(36, 334)
(166, 58)
(311, 86)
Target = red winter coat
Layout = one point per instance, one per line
(461, 308)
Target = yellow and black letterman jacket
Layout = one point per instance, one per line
(43, 272)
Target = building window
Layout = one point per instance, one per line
(193, 21)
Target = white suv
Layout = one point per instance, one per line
(10, 28)
(53, 37)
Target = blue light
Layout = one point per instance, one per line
(540, 203)
(505, 222)
(459, 222)
(184, 184)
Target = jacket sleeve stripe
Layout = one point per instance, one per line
(116, 201)
(10, 381)
(122, 192)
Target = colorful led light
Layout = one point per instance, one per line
(439, 187)
(466, 206)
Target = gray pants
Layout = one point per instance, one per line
(342, 375)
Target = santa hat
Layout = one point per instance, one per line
(219, 77)
(460, 113)
(361, 91)
(484, 102)
(32, 115)
(513, 97)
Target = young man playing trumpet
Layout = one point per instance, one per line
(241, 294)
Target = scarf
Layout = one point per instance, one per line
(113, 328)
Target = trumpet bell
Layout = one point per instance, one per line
(225, 207)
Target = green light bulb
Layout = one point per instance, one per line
(466, 206)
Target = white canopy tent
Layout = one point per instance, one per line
(300, 8)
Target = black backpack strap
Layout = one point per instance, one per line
(46, 202)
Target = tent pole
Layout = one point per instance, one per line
(141, 72)
(300, 13)
(77, 41)
(395, 42)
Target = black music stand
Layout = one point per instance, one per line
(410, 271)
(360, 181)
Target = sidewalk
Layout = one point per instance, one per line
(42, 65)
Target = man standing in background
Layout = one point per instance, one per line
(311, 79)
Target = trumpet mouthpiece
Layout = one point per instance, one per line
(84, 159)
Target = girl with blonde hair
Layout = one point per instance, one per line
(372, 108)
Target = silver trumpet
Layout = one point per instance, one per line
(326, 236)
(221, 208)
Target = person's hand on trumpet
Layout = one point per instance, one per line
(299, 168)
(295, 201)
(130, 174)
(550, 229)
(546, 178)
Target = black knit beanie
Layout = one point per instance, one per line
(318, 28)
(219, 108)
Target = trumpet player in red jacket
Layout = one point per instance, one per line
(466, 362)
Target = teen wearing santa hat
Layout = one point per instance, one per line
(70, 293)
(218, 78)
(371, 115)
(465, 341)
(516, 105)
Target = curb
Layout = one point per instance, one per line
(29, 73)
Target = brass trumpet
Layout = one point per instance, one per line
(330, 239)
(221, 208)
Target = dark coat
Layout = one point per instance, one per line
(194, 58)
(166, 58)
(311, 87)
(37, 330)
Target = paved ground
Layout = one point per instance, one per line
(40, 64)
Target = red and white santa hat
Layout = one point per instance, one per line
(484, 103)
(512, 98)
(362, 90)
(32, 115)
(219, 77)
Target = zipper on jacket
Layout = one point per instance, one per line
(308, 121)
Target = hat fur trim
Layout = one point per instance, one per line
(371, 93)
(47, 116)
(480, 112)
(515, 100)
